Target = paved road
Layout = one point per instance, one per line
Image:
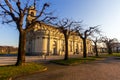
(108, 69)
(9, 60)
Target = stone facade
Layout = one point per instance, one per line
(47, 39)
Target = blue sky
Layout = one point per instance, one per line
(93, 12)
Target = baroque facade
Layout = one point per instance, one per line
(47, 39)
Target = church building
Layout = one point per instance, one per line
(47, 39)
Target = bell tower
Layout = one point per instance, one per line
(31, 14)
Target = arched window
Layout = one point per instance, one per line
(54, 43)
(32, 13)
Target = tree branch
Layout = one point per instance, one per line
(9, 5)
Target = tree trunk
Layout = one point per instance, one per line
(84, 48)
(96, 51)
(21, 48)
(109, 49)
(66, 48)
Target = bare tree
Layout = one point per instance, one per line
(109, 43)
(16, 12)
(67, 27)
(95, 41)
(85, 34)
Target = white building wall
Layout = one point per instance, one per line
(44, 40)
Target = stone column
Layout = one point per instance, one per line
(44, 45)
(58, 50)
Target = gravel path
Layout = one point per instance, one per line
(108, 69)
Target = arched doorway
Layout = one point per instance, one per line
(76, 50)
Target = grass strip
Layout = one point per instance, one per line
(74, 61)
(11, 71)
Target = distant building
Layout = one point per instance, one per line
(102, 48)
(116, 47)
(47, 39)
(8, 49)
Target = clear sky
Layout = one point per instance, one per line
(93, 12)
